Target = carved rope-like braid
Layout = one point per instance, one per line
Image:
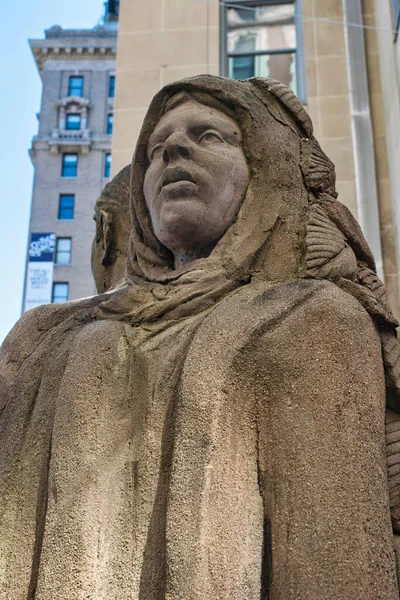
(287, 98)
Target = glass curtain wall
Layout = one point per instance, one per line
(261, 40)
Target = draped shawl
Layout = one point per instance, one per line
(290, 227)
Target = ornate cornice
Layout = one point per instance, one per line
(82, 142)
(83, 102)
(73, 49)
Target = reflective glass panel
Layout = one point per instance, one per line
(69, 165)
(275, 14)
(278, 66)
(262, 38)
(73, 122)
(110, 121)
(107, 165)
(241, 67)
(66, 206)
(75, 86)
(396, 15)
(111, 89)
(63, 251)
(60, 292)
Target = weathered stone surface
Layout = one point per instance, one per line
(214, 427)
(111, 241)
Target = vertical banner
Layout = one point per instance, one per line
(39, 281)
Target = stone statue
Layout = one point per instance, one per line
(111, 242)
(214, 427)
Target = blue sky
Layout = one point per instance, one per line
(19, 103)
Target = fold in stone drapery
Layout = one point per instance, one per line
(131, 457)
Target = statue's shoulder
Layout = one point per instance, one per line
(300, 303)
(26, 333)
(35, 325)
(316, 300)
(21, 343)
(316, 316)
(50, 329)
(326, 300)
(293, 317)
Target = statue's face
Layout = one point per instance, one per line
(197, 176)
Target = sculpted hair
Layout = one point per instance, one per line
(336, 248)
(203, 98)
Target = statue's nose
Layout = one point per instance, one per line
(176, 146)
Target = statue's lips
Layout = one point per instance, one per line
(176, 176)
(178, 188)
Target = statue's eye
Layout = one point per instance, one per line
(211, 137)
(157, 151)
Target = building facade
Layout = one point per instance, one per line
(72, 151)
(384, 49)
(337, 55)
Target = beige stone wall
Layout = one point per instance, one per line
(386, 62)
(386, 212)
(327, 90)
(159, 41)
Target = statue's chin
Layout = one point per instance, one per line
(183, 232)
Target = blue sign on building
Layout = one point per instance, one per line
(40, 270)
(42, 247)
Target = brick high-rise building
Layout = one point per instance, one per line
(72, 151)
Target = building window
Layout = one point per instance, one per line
(60, 292)
(66, 207)
(110, 121)
(111, 88)
(263, 38)
(69, 165)
(73, 121)
(63, 251)
(75, 87)
(107, 165)
(396, 17)
(112, 8)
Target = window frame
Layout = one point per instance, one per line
(79, 120)
(110, 123)
(298, 51)
(64, 166)
(56, 283)
(67, 252)
(61, 208)
(111, 86)
(81, 86)
(116, 6)
(396, 18)
(107, 165)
